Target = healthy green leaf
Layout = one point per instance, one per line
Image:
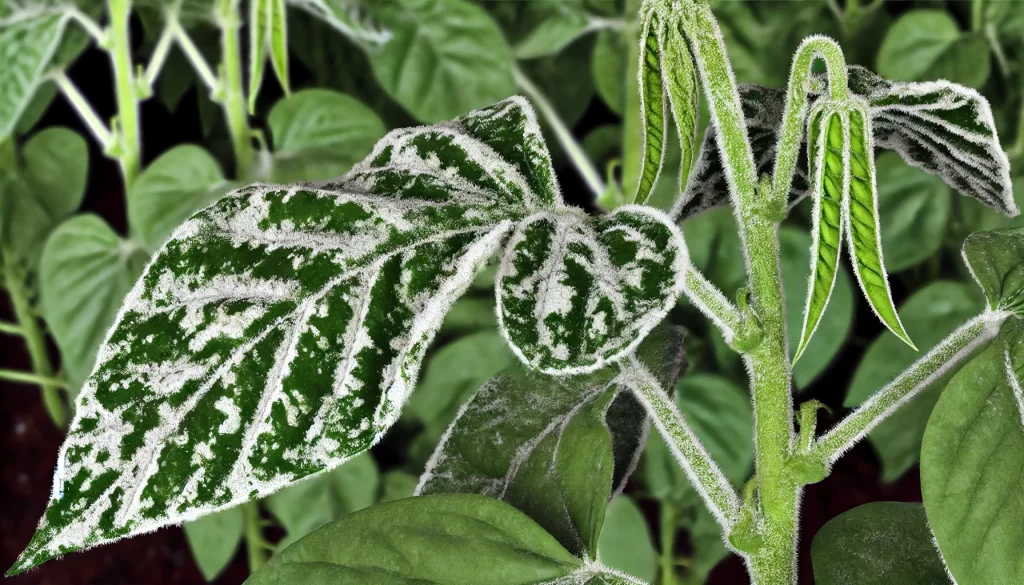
(259, 27)
(996, 260)
(719, 413)
(880, 542)
(450, 539)
(609, 68)
(309, 504)
(560, 27)
(933, 312)
(914, 208)
(625, 542)
(971, 463)
(576, 292)
(349, 18)
(214, 539)
(396, 485)
(28, 44)
(277, 37)
(861, 216)
(835, 324)
(556, 448)
(85, 271)
(470, 314)
(927, 44)
(683, 91)
(169, 190)
(706, 541)
(319, 134)
(445, 57)
(654, 116)
(831, 176)
(279, 331)
(46, 189)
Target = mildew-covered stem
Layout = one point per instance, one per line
(951, 351)
(700, 468)
(710, 301)
(793, 120)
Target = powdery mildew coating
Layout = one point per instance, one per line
(576, 292)
(279, 331)
(506, 440)
(940, 127)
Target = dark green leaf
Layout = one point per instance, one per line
(172, 188)
(609, 69)
(625, 542)
(996, 259)
(319, 134)
(927, 44)
(931, 314)
(396, 485)
(880, 542)
(914, 208)
(451, 539)
(308, 505)
(470, 314)
(445, 57)
(214, 539)
(971, 464)
(564, 23)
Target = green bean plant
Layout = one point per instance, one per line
(277, 334)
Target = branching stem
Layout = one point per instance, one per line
(160, 52)
(668, 543)
(710, 301)
(98, 129)
(195, 57)
(88, 24)
(29, 378)
(951, 351)
(565, 138)
(705, 476)
(11, 329)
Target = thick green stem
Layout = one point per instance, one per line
(255, 546)
(34, 341)
(791, 136)
(233, 98)
(768, 362)
(128, 147)
(668, 543)
(565, 138)
(958, 346)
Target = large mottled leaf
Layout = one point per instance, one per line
(996, 260)
(860, 211)
(880, 542)
(940, 127)
(932, 313)
(309, 504)
(971, 465)
(576, 292)
(445, 57)
(173, 187)
(84, 272)
(451, 539)
(556, 448)
(319, 134)
(26, 47)
(279, 331)
(47, 187)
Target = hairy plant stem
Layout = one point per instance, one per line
(668, 543)
(233, 99)
(256, 547)
(127, 145)
(955, 348)
(34, 341)
(773, 563)
(565, 138)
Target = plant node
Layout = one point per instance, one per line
(745, 535)
(749, 335)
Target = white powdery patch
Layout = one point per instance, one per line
(232, 418)
(224, 324)
(1015, 385)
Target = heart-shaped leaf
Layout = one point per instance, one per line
(996, 260)
(626, 540)
(279, 331)
(880, 542)
(576, 292)
(214, 539)
(971, 462)
(29, 42)
(928, 44)
(556, 448)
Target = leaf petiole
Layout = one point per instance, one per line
(29, 378)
